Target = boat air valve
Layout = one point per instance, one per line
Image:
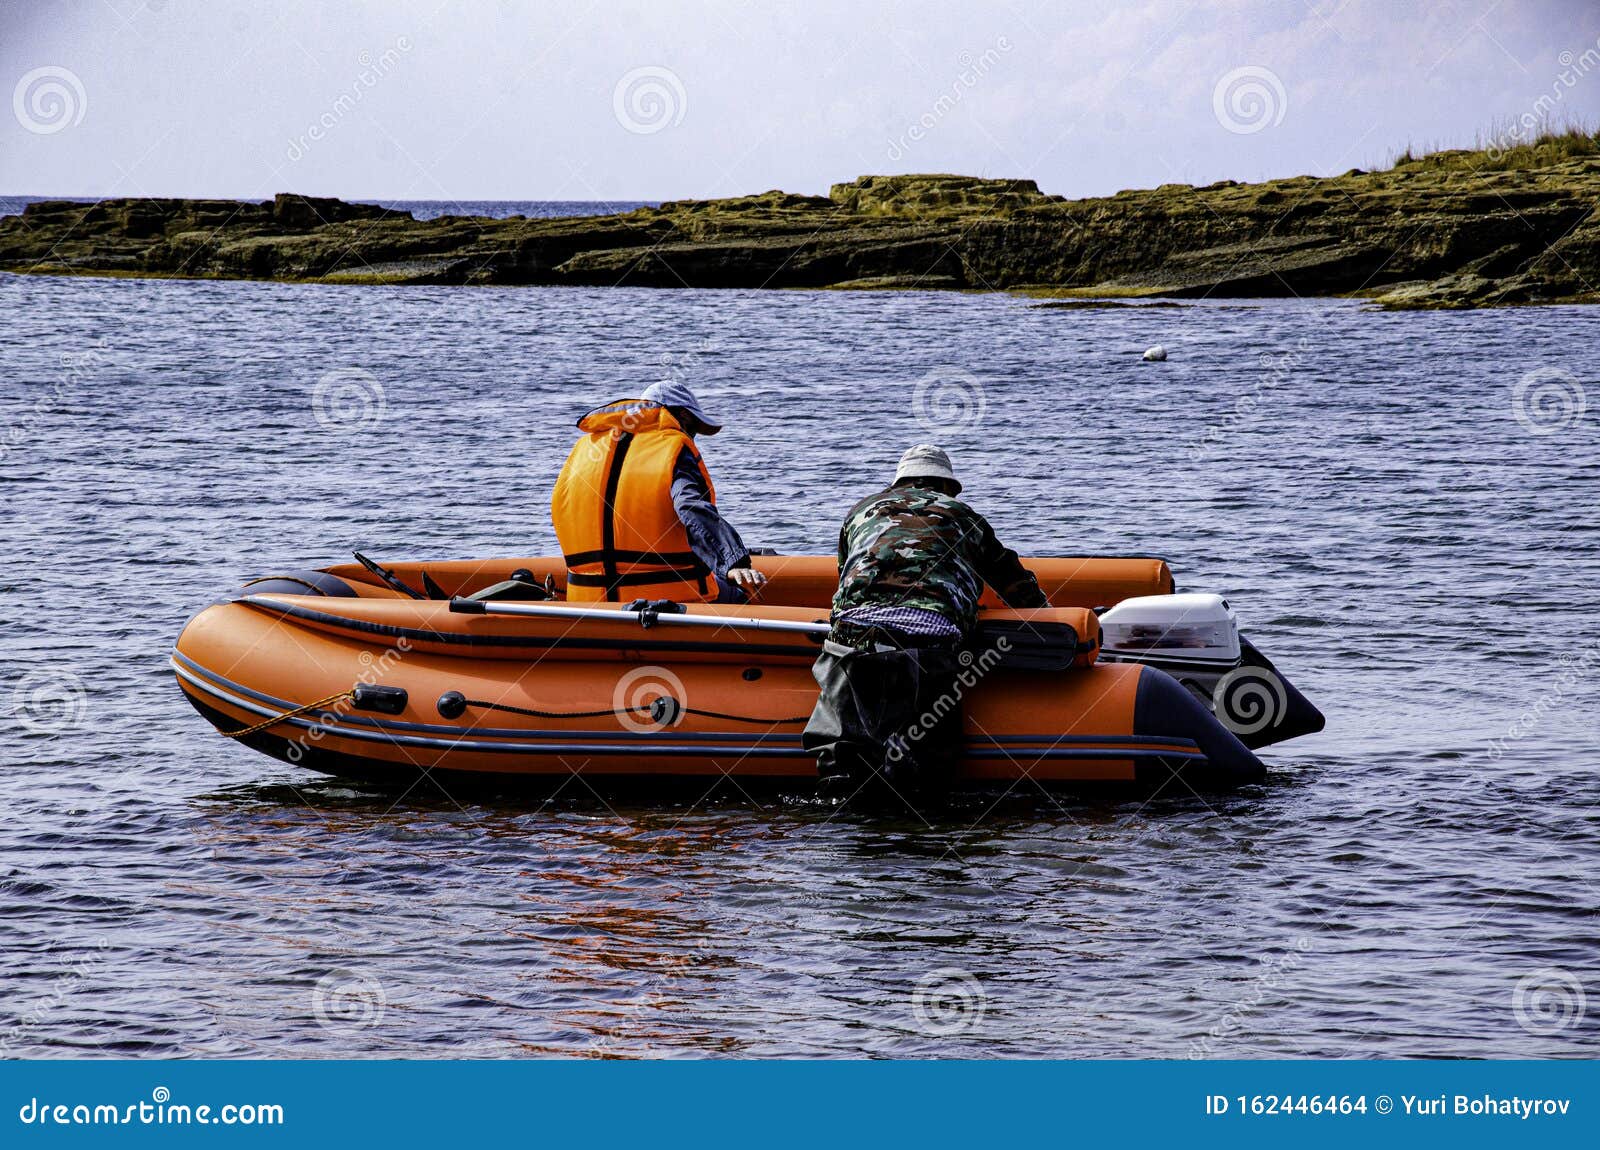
(665, 710)
(452, 704)
(377, 697)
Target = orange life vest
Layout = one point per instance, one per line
(613, 513)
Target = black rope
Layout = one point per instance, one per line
(551, 714)
(626, 711)
(744, 718)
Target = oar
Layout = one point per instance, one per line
(645, 618)
(433, 589)
(388, 576)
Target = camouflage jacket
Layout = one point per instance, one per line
(914, 547)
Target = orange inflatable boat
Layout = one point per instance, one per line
(480, 670)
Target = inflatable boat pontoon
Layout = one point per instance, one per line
(479, 669)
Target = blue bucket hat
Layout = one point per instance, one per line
(671, 393)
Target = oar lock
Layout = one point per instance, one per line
(651, 610)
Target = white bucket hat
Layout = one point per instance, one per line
(671, 393)
(925, 461)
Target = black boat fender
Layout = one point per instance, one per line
(300, 583)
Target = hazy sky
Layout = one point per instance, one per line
(495, 99)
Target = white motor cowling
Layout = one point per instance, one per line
(1195, 627)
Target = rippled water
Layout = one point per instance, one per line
(1419, 879)
(431, 209)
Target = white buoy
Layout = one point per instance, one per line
(1156, 354)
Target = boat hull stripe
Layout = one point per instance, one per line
(650, 743)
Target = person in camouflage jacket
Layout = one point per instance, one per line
(913, 561)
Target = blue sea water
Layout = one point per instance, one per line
(431, 209)
(1400, 506)
(503, 209)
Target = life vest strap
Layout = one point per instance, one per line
(638, 578)
(608, 526)
(665, 558)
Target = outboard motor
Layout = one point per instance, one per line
(1195, 639)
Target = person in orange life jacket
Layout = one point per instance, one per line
(635, 511)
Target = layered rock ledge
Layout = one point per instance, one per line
(1441, 231)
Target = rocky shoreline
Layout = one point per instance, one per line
(1439, 231)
